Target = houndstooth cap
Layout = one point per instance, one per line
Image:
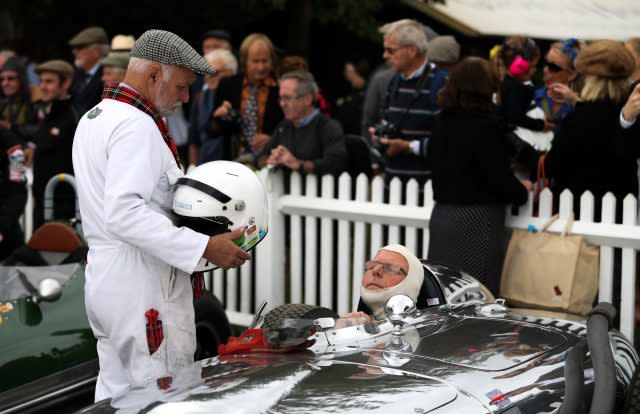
(166, 47)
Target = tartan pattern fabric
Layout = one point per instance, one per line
(197, 285)
(166, 47)
(155, 334)
(129, 96)
(164, 383)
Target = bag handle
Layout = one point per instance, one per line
(567, 227)
(541, 176)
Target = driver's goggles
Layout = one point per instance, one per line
(387, 267)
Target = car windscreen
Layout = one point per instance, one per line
(20, 281)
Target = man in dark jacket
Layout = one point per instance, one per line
(13, 192)
(305, 141)
(88, 48)
(58, 120)
(16, 110)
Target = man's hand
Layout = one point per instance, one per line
(222, 110)
(223, 252)
(259, 141)
(286, 158)
(631, 109)
(396, 146)
(5, 124)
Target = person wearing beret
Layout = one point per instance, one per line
(586, 154)
(58, 117)
(138, 293)
(88, 47)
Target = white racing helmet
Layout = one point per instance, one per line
(221, 196)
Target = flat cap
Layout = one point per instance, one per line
(606, 59)
(57, 66)
(88, 36)
(116, 60)
(166, 47)
(218, 34)
(443, 49)
(122, 43)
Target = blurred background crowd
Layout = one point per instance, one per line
(483, 123)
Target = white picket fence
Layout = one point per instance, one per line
(335, 225)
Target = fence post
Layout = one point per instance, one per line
(628, 283)
(270, 253)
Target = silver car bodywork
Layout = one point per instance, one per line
(464, 357)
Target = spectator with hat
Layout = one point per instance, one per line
(139, 296)
(88, 48)
(16, 109)
(114, 67)
(215, 39)
(58, 117)
(205, 140)
(584, 155)
(122, 43)
(444, 51)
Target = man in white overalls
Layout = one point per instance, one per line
(138, 291)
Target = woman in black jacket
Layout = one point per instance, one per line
(472, 178)
(588, 152)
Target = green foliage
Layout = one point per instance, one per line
(358, 16)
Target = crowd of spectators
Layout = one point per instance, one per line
(424, 114)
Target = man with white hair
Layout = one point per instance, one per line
(205, 143)
(410, 108)
(138, 292)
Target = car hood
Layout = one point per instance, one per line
(274, 384)
(442, 363)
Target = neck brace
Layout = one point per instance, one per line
(410, 286)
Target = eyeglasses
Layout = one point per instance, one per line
(387, 267)
(392, 50)
(553, 68)
(8, 78)
(287, 99)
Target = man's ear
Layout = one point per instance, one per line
(153, 72)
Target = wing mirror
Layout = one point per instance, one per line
(49, 290)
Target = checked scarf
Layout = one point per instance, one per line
(133, 98)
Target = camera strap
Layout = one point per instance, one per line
(394, 87)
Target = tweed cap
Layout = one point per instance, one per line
(116, 60)
(218, 34)
(89, 36)
(57, 66)
(606, 59)
(444, 49)
(122, 43)
(166, 47)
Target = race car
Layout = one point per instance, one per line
(463, 352)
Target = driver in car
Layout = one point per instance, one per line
(394, 270)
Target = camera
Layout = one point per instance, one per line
(384, 129)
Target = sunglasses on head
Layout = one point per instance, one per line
(552, 67)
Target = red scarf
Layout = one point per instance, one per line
(133, 98)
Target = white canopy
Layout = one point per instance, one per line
(541, 19)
